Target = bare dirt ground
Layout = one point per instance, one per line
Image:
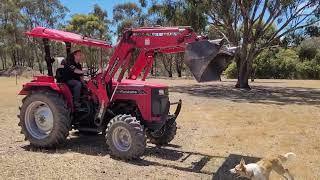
(217, 126)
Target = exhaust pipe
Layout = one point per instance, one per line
(208, 59)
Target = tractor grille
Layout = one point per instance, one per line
(159, 102)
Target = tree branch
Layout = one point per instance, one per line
(263, 12)
(268, 43)
(288, 21)
(256, 5)
(243, 9)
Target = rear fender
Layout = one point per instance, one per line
(60, 88)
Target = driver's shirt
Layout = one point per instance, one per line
(69, 73)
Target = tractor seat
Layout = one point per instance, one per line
(59, 75)
(60, 72)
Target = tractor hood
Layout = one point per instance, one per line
(208, 59)
(129, 82)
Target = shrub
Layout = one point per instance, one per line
(284, 64)
(317, 58)
(231, 71)
(278, 64)
(281, 64)
(263, 64)
(309, 48)
(308, 70)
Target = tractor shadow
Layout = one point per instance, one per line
(169, 156)
(88, 144)
(79, 143)
(258, 94)
(217, 166)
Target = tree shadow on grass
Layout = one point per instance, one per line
(258, 94)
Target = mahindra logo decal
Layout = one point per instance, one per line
(128, 91)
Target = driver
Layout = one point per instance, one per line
(73, 75)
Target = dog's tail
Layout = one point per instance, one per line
(288, 156)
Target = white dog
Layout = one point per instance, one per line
(261, 170)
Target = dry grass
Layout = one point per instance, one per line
(217, 126)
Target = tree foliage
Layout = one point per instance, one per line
(238, 19)
(18, 16)
(280, 63)
(309, 48)
(127, 15)
(174, 13)
(92, 25)
(313, 31)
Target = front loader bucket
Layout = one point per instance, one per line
(207, 60)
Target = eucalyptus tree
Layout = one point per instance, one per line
(246, 24)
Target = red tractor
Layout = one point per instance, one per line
(125, 109)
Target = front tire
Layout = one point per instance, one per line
(125, 137)
(44, 119)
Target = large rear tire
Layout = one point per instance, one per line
(45, 119)
(125, 137)
(163, 136)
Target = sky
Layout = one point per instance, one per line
(86, 6)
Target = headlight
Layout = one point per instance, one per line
(161, 92)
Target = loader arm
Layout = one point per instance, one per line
(149, 41)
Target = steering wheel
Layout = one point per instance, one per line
(91, 72)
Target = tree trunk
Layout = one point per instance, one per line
(39, 60)
(3, 62)
(179, 65)
(68, 48)
(169, 70)
(167, 63)
(243, 74)
(179, 72)
(253, 73)
(13, 59)
(152, 69)
(48, 56)
(40, 67)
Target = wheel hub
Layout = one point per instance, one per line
(121, 139)
(44, 119)
(39, 119)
